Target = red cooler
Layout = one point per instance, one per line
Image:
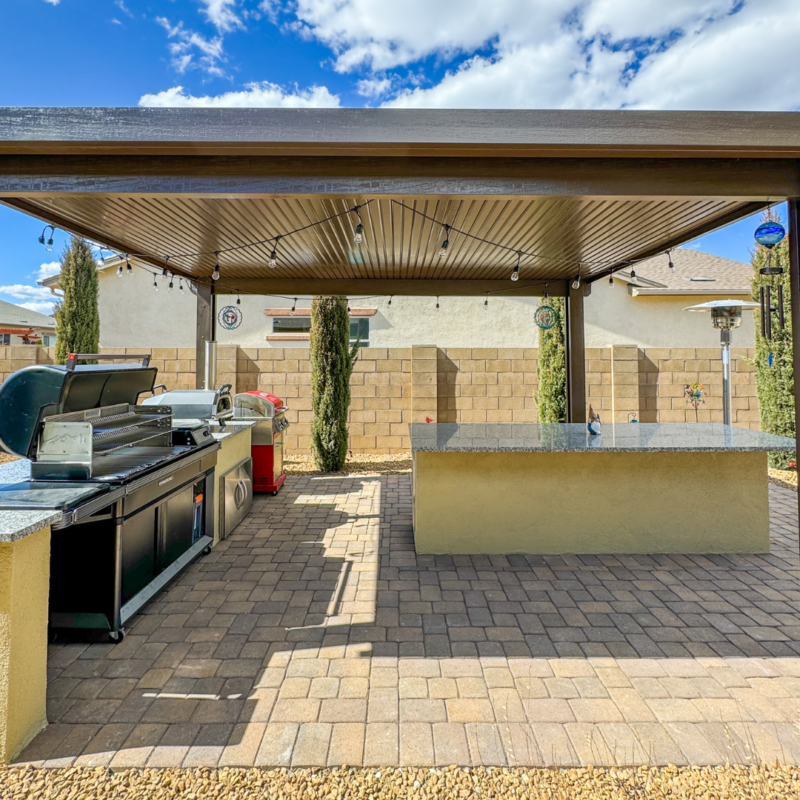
(268, 413)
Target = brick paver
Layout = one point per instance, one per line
(314, 635)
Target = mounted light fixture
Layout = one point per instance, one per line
(445, 243)
(515, 273)
(47, 239)
(215, 273)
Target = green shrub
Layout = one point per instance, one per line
(77, 317)
(332, 361)
(775, 384)
(552, 369)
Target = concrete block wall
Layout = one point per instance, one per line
(487, 384)
(395, 386)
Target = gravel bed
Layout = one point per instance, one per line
(356, 464)
(684, 783)
(5, 458)
(784, 477)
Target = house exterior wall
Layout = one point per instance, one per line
(133, 314)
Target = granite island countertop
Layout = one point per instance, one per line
(575, 438)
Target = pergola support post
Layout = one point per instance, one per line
(206, 314)
(576, 356)
(794, 283)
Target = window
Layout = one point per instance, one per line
(359, 328)
(48, 340)
(5, 338)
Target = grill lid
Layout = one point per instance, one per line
(32, 393)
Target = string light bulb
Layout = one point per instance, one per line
(155, 282)
(348, 305)
(576, 283)
(294, 306)
(119, 270)
(215, 273)
(486, 301)
(669, 256)
(238, 300)
(610, 280)
(515, 273)
(171, 285)
(359, 237)
(445, 243)
(437, 301)
(273, 256)
(633, 274)
(128, 267)
(390, 298)
(164, 274)
(180, 286)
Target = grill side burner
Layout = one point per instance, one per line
(136, 494)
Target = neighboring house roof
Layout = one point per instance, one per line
(12, 316)
(695, 273)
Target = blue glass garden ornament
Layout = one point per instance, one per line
(769, 234)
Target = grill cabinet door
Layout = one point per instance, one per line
(138, 552)
(177, 522)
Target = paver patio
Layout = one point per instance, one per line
(314, 635)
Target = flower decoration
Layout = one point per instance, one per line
(695, 394)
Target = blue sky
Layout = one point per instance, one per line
(685, 54)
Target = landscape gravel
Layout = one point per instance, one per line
(685, 783)
(356, 464)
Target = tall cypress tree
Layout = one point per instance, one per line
(77, 317)
(552, 369)
(775, 383)
(332, 361)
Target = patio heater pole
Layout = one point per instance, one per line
(725, 343)
(794, 284)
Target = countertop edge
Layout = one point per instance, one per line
(599, 449)
(16, 525)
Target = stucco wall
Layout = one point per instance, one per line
(614, 317)
(133, 314)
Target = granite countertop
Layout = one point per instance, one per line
(15, 525)
(575, 438)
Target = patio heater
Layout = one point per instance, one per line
(725, 315)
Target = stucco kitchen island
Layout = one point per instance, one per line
(554, 488)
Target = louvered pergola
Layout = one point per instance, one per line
(578, 192)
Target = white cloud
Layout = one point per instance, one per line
(187, 44)
(22, 292)
(685, 54)
(254, 95)
(41, 308)
(53, 2)
(48, 270)
(120, 4)
(221, 14)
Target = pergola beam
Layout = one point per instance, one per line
(230, 176)
(385, 287)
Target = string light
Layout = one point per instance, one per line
(486, 301)
(155, 282)
(576, 283)
(180, 286)
(445, 243)
(359, 237)
(610, 280)
(238, 299)
(669, 256)
(633, 275)
(170, 287)
(273, 258)
(390, 299)
(128, 267)
(294, 306)
(215, 273)
(437, 301)
(515, 273)
(119, 270)
(348, 305)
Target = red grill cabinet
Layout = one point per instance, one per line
(269, 414)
